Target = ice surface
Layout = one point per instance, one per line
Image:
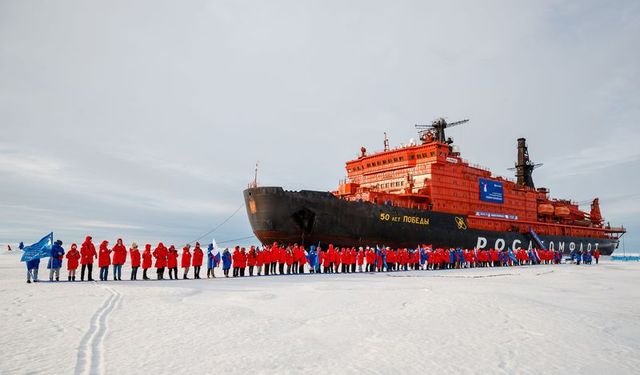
(538, 319)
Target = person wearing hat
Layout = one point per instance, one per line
(160, 253)
(172, 262)
(73, 257)
(104, 260)
(119, 258)
(226, 262)
(87, 255)
(146, 261)
(135, 260)
(55, 261)
(198, 256)
(186, 261)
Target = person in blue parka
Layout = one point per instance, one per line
(55, 261)
(211, 261)
(226, 262)
(512, 257)
(452, 258)
(32, 270)
(312, 258)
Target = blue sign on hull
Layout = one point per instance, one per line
(491, 191)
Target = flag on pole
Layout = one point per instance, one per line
(40, 249)
(216, 253)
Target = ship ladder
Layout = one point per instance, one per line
(537, 239)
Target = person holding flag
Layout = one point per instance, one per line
(213, 259)
(33, 253)
(55, 260)
(33, 266)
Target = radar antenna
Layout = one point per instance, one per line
(386, 142)
(437, 129)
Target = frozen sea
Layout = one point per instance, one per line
(538, 319)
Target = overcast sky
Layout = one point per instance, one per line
(144, 119)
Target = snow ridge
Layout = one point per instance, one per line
(91, 351)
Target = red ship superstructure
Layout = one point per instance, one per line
(431, 176)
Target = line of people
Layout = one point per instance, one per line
(279, 260)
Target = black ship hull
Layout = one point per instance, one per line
(312, 218)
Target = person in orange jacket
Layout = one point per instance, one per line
(134, 254)
(172, 262)
(87, 255)
(104, 260)
(596, 254)
(186, 260)
(146, 261)
(119, 258)
(160, 253)
(198, 255)
(73, 257)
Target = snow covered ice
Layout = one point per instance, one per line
(536, 319)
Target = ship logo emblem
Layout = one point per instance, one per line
(461, 224)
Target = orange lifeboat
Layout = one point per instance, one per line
(562, 211)
(545, 209)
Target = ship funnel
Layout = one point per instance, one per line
(524, 166)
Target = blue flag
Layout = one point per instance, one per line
(40, 249)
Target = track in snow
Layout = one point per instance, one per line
(91, 351)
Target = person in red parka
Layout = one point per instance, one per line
(146, 261)
(198, 255)
(160, 253)
(87, 255)
(243, 261)
(104, 260)
(72, 261)
(135, 260)
(186, 260)
(172, 262)
(302, 258)
(119, 258)
(259, 261)
(251, 259)
(596, 254)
